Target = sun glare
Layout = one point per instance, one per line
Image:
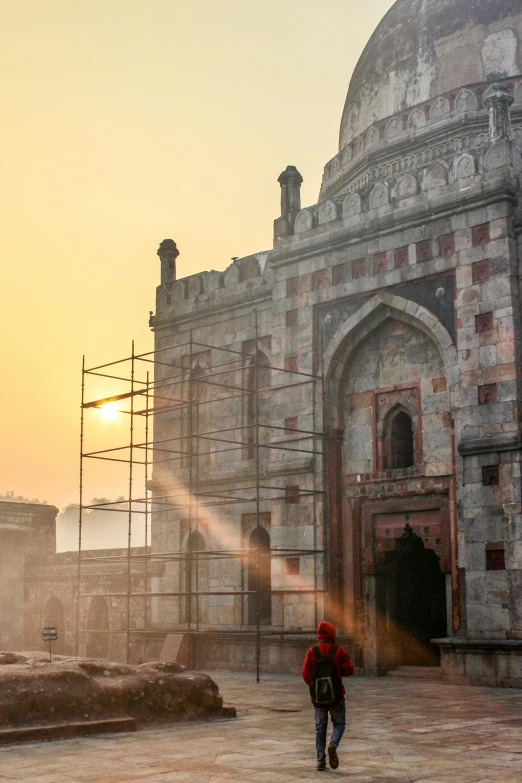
(109, 411)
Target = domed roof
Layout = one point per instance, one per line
(424, 48)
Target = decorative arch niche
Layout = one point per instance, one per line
(194, 579)
(398, 436)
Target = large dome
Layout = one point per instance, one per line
(425, 48)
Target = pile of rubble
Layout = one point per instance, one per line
(34, 691)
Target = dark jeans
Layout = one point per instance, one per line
(338, 716)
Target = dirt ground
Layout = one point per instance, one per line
(399, 731)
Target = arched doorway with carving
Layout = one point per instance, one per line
(388, 414)
(411, 599)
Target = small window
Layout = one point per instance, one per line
(495, 560)
(401, 437)
(292, 566)
(292, 495)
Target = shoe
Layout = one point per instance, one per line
(321, 765)
(333, 758)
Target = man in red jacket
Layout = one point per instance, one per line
(343, 666)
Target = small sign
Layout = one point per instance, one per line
(49, 634)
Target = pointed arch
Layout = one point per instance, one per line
(260, 580)
(380, 307)
(261, 364)
(194, 579)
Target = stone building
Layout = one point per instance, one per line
(377, 476)
(401, 287)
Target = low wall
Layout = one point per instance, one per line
(493, 662)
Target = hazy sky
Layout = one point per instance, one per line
(125, 123)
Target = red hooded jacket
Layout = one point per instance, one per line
(326, 636)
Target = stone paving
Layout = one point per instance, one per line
(399, 731)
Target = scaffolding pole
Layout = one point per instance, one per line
(182, 395)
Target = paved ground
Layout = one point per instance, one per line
(398, 731)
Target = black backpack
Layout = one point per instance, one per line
(326, 688)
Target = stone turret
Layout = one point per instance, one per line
(168, 252)
(290, 180)
(498, 101)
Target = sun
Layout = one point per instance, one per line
(109, 411)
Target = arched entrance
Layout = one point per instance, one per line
(388, 414)
(410, 603)
(260, 539)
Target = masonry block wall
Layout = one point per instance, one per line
(402, 287)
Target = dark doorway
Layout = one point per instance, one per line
(260, 540)
(411, 604)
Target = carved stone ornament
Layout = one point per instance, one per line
(465, 101)
(464, 167)
(372, 137)
(498, 155)
(352, 205)
(231, 275)
(379, 196)
(346, 155)
(440, 109)
(304, 221)
(195, 285)
(407, 186)
(498, 100)
(213, 281)
(179, 290)
(327, 212)
(417, 119)
(435, 176)
(394, 128)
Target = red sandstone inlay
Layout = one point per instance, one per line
(338, 274)
(291, 424)
(480, 234)
(447, 245)
(490, 476)
(380, 263)
(359, 268)
(291, 363)
(484, 322)
(487, 393)
(424, 250)
(481, 271)
(319, 279)
(401, 257)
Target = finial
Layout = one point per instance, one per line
(290, 180)
(498, 100)
(168, 252)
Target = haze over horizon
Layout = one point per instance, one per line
(127, 124)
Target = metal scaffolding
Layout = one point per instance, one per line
(182, 391)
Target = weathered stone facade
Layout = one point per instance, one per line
(402, 285)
